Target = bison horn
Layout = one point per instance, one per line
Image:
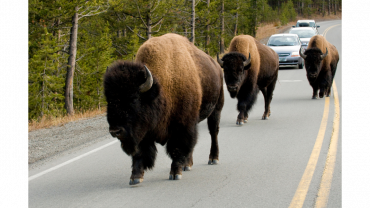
(219, 61)
(148, 83)
(324, 55)
(245, 63)
(301, 54)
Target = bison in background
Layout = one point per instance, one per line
(244, 76)
(320, 67)
(160, 99)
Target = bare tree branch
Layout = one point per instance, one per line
(155, 24)
(140, 14)
(137, 34)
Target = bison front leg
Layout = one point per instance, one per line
(314, 94)
(144, 159)
(246, 100)
(180, 148)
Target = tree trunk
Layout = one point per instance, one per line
(208, 39)
(335, 7)
(222, 47)
(71, 65)
(149, 26)
(236, 23)
(192, 38)
(43, 90)
(329, 7)
(323, 8)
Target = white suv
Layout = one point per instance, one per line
(307, 23)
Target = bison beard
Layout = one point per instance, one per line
(166, 109)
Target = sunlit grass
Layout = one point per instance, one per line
(49, 121)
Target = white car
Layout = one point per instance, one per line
(304, 34)
(307, 23)
(287, 46)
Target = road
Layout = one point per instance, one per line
(278, 162)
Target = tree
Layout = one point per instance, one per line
(82, 9)
(45, 85)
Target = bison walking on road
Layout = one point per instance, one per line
(160, 98)
(244, 76)
(320, 67)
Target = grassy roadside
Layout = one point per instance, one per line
(264, 31)
(50, 121)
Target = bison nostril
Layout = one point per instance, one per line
(232, 87)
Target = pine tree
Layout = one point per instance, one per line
(45, 85)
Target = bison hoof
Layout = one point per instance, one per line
(186, 168)
(212, 162)
(265, 118)
(314, 97)
(239, 123)
(136, 181)
(245, 121)
(177, 177)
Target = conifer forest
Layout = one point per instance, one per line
(71, 43)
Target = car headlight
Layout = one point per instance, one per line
(295, 54)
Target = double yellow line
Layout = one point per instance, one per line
(327, 29)
(325, 184)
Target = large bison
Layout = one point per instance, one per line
(320, 67)
(244, 76)
(160, 98)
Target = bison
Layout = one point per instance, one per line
(160, 98)
(320, 67)
(244, 76)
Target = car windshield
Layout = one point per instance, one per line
(283, 41)
(303, 33)
(305, 24)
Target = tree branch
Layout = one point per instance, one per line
(137, 34)
(140, 14)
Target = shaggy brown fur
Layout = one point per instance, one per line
(260, 74)
(187, 88)
(321, 72)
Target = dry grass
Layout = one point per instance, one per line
(49, 121)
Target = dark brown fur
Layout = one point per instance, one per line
(244, 83)
(321, 72)
(187, 88)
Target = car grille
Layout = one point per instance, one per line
(283, 54)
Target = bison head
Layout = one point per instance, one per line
(313, 61)
(234, 64)
(131, 91)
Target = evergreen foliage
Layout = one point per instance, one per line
(115, 29)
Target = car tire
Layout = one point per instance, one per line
(300, 66)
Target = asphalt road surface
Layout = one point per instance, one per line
(279, 162)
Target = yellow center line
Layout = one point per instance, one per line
(304, 184)
(324, 190)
